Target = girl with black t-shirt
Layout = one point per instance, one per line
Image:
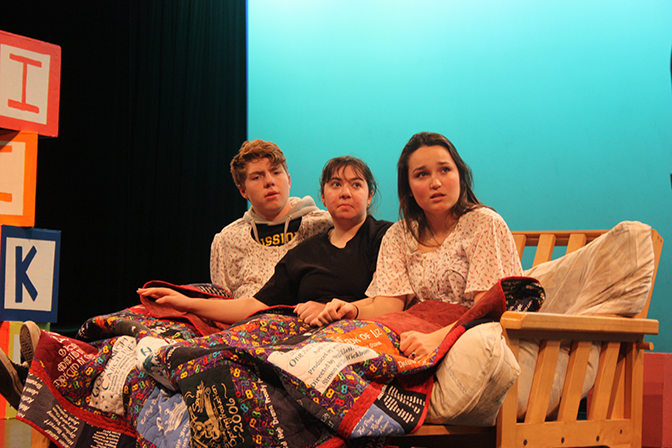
(339, 263)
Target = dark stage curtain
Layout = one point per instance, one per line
(153, 107)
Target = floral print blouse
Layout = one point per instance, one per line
(477, 253)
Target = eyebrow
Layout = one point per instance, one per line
(439, 163)
(273, 168)
(354, 178)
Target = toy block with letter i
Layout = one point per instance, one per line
(18, 171)
(29, 269)
(30, 82)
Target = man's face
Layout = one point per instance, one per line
(267, 188)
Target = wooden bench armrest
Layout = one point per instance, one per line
(549, 323)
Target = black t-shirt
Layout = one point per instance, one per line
(319, 271)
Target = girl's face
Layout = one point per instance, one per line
(347, 197)
(434, 180)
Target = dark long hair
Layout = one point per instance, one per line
(409, 210)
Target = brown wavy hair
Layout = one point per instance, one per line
(410, 212)
(252, 150)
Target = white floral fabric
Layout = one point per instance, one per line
(478, 252)
(242, 265)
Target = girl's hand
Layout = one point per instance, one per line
(416, 345)
(335, 310)
(308, 311)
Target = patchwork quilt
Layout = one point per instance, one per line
(134, 379)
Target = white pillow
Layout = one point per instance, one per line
(472, 380)
(610, 276)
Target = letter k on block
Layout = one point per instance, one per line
(22, 279)
(29, 268)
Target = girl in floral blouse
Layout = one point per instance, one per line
(447, 246)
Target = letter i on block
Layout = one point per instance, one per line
(30, 81)
(29, 268)
(18, 171)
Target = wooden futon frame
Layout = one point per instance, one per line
(614, 417)
(614, 413)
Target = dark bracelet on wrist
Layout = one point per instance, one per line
(357, 315)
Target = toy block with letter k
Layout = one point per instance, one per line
(29, 268)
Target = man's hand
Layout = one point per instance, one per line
(167, 296)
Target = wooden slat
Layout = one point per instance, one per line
(599, 403)
(574, 379)
(507, 419)
(617, 408)
(520, 240)
(561, 236)
(634, 398)
(542, 381)
(544, 249)
(576, 242)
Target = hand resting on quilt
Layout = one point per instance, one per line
(335, 310)
(416, 344)
(366, 308)
(227, 311)
(413, 344)
(167, 296)
(308, 311)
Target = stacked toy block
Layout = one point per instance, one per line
(657, 424)
(29, 257)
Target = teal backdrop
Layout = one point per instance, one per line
(563, 109)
